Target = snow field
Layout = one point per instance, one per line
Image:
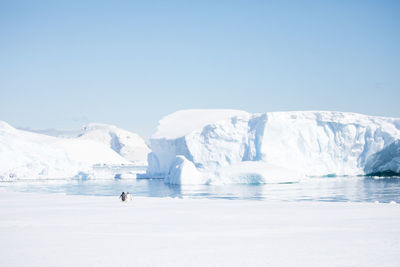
(60, 230)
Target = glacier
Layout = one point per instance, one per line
(233, 146)
(30, 155)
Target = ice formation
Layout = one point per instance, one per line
(183, 171)
(31, 155)
(386, 161)
(129, 145)
(235, 146)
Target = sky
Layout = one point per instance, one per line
(64, 64)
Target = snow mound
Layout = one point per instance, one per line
(53, 132)
(129, 145)
(236, 146)
(31, 155)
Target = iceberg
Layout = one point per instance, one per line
(29, 155)
(385, 162)
(230, 146)
(127, 144)
(183, 171)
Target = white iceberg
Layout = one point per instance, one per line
(183, 171)
(229, 146)
(29, 155)
(386, 161)
(129, 145)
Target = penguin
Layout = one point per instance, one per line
(128, 196)
(123, 196)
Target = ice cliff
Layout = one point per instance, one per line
(29, 155)
(225, 146)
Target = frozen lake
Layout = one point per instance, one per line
(331, 189)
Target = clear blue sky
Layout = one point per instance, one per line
(128, 63)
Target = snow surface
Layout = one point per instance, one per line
(53, 132)
(274, 146)
(59, 230)
(31, 155)
(182, 122)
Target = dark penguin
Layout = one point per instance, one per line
(122, 196)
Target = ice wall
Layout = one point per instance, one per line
(386, 161)
(304, 143)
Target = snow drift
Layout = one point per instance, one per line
(31, 155)
(224, 146)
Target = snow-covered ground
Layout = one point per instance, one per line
(59, 230)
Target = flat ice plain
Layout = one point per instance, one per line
(64, 230)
